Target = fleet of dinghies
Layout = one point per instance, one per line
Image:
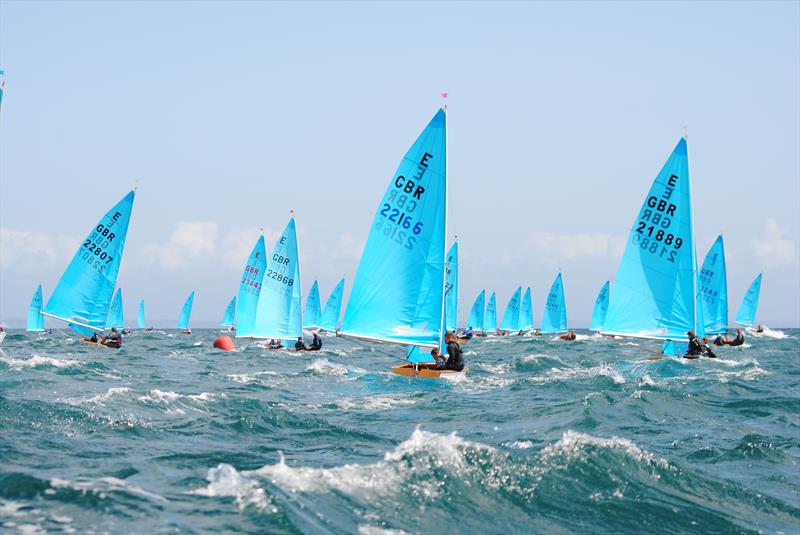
(406, 288)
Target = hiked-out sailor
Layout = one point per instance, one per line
(455, 358)
(697, 348)
(316, 343)
(300, 345)
(115, 336)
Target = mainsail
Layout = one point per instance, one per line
(115, 315)
(526, 311)
(511, 316)
(311, 316)
(398, 292)
(554, 319)
(451, 289)
(279, 313)
(230, 313)
(600, 309)
(330, 316)
(490, 323)
(35, 318)
(140, 315)
(654, 290)
(747, 310)
(186, 312)
(83, 294)
(250, 289)
(712, 290)
(477, 312)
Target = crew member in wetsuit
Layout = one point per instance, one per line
(274, 344)
(719, 340)
(739, 340)
(455, 359)
(569, 336)
(94, 337)
(114, 339)
(697, 348)
(316, 343)
(300, 345)
(468, 334)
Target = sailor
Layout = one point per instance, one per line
(440, 360)
(115, 336)
(468, 334)
(569, 335)
(697, 348)
(94, 337)
(739, 340)
(300, 345)
(719, 340)
(455, 358)
(274, 344)
(316, 343)
(760, 329)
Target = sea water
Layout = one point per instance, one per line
(168, 435)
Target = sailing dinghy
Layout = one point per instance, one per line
(333, 307)
(35, 319)
(186, 313)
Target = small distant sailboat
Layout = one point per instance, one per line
(655, 290)
(279, 313)
(398, 294)
(186, 313)
(490, 320)
(600, 308)
(333, 307)
(115, 315)
(230, 314)
(35, 319)
(250, 289)
(83, 295)
(526, 312)
(554, 319)
(477, 313)
(746, 316)
(451, 292)
(140, 322)
(313, 312)
(511, 316)
(712, 290)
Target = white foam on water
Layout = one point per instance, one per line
(102, 486)
(573, 445)
(100, 398)
(735, 363)
(323, 366)
(225, 480)
(519, 444)
(183, 401)
(768, 333)
(380, 402)
(36, 361)
(374, 530)
(564, 374)
(247, 378)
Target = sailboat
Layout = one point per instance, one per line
(712, 290)
(250, 289)
(746, 315)
(115, 314)
(490, 319)
(312, 313)
(526, 312)
(83, 295)
(511, 316)
(554, 319)
(333, 306)
(398, 294)
(186, 313)
(229, 315)
(477, 313)
(600, 309)
(279, 312)
(140, 317)
(451, 292)
(35, 319)
(655, 290)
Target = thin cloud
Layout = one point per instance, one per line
(773, 249)
(23, 250)
(189, 242)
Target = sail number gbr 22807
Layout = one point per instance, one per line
(652, 229)
(95, 248)
(397, 218)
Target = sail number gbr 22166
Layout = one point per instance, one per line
(397, 219)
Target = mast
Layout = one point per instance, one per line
(691, 230)
(442, 326)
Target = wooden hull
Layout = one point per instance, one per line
(424, 371)
(87, 341)
(462, 341)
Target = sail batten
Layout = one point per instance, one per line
(398, 292)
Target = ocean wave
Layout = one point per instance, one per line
(37, 360)
(323, 366)
(566, 374)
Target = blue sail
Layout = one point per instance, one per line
(330, 316)
(140, 315)
(279, 313)
(600, 309)
(83, 294)
(451, 289)
(230, 313)
(712, 291)
(311, 316)
(397, 294)
(477, 312)
(35, 318)
(186, 312)
(490, 320)
(554, 319)
(526, 311)
(115, 315)
(747, 310)
(511, 315)
(250, 289)
(654, 290)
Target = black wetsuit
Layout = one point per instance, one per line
(455, 360)
(300, 346)
(739, 340)
(316, 344)
(698, 348)
(719, 341)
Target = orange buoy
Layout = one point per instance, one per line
(224, 343)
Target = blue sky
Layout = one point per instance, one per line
(233, 114)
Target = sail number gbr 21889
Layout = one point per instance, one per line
(397, 219)
(652, 229)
